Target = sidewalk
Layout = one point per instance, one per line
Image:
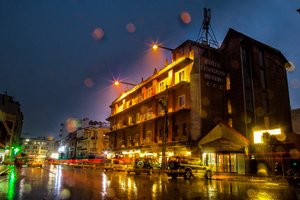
(253, 179)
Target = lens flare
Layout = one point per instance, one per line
(88, 82)
(72, 125)
(185, 17)
(295, 83)
(130, 27)
(262, 169)
(65, 194)
(98, 33)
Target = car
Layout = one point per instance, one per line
(114, 165)
(35, 163)
(145, 164)
(187, 167)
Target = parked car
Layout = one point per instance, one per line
(187, 167)
(114, 165)
(144, 165)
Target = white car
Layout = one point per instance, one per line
(114, 165)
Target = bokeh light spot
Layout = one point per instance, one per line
(260, 112)
(205, 101)
(65, 194)
(88, 82)
(72, 125)
(130, 27)
(294, 153)
(185, 17)
(262, 169)
(98, 33)
(27, 188)
(251, 193)
(295, 83)
(281, 137)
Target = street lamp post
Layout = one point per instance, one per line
(117, 83)
(156, 46)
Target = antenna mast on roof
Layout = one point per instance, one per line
(204, 35)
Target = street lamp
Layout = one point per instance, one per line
(117, 83)
(156, 46)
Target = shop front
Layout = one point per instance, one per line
(224, 149)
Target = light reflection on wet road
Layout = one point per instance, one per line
(56, 182)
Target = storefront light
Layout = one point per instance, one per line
(258, 134)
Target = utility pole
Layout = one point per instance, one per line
(164, 104)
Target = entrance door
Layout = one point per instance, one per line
(226, 163)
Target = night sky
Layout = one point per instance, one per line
(58, 58)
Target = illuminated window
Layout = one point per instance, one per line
(129, 120)
(229, 108)
(228, 87)
(150, 92)
(181, 100)
(138, 116)
(181, 76)
(161, 86)
(258, 135)
(230, 122)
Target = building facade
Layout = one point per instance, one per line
(87, 142)
(217, 104)
(11, 122)
(39, 147)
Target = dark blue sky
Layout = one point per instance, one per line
(58, 58)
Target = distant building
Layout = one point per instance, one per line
(11, 122)
(228, 105)
(89, 141)
(39, 147)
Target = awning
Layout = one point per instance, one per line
(223, 138)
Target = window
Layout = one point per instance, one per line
(229, 108)
(138, 116)
(161, 86)
(228, 87)
(149, 92)
(181, 100)
(129, 120)
(181, 76)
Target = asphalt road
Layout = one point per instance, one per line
(57, 182)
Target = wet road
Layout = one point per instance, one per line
(56, 182)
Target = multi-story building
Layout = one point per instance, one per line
(93, 143)
(11, 122)
(222, 104)
(86, 142)
(40, 147)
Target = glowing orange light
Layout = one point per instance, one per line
(116, 83)
(154, 47)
